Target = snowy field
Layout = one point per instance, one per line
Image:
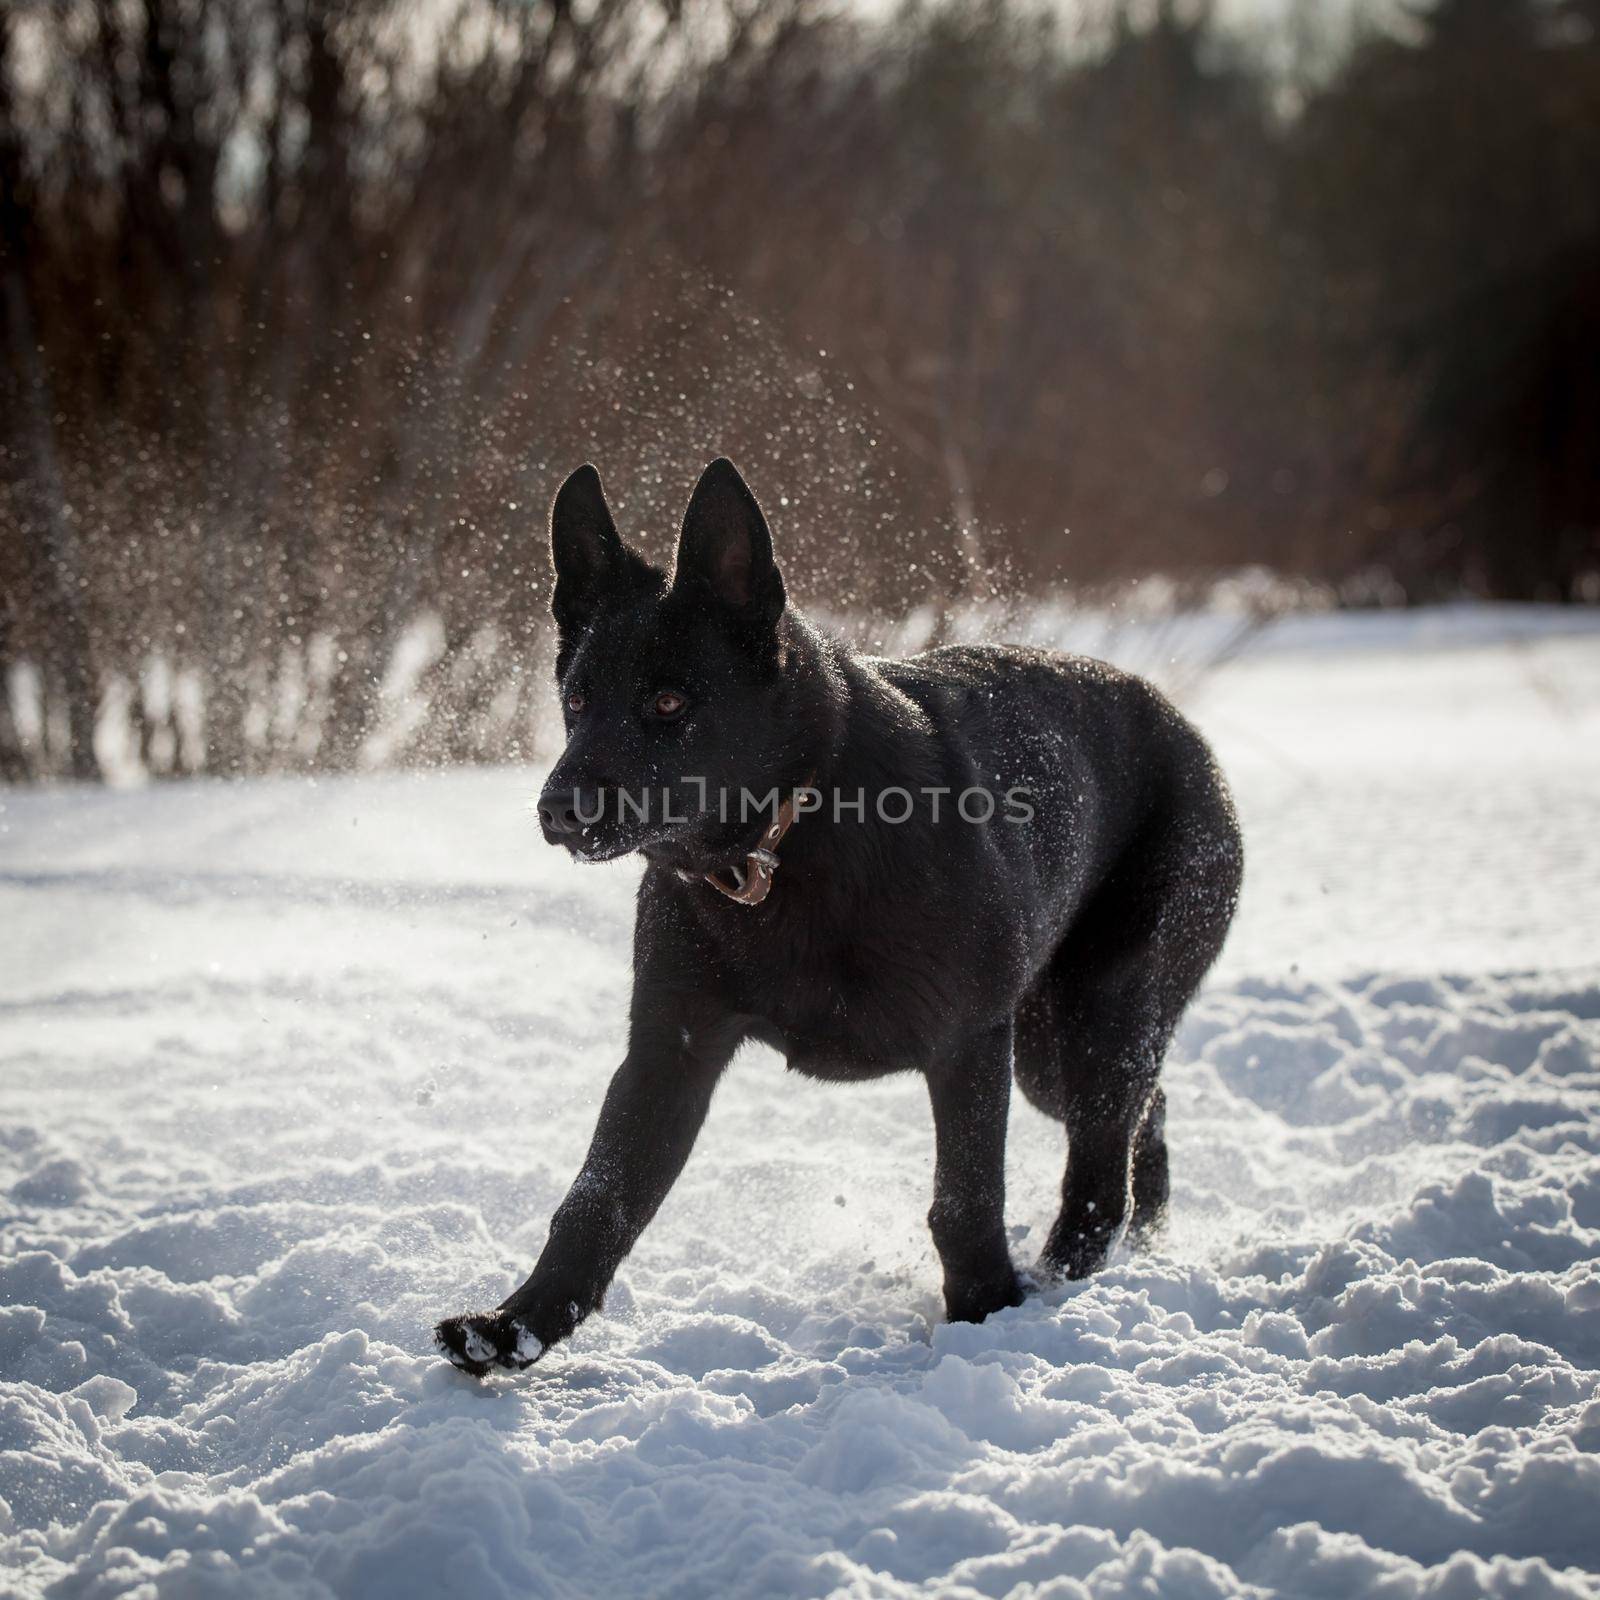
(290, 1069)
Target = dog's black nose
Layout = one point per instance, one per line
(558, 811)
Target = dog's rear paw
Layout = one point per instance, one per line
(1071, 1253)
(972, 1302)
(479, 1340)
(1147, 1229)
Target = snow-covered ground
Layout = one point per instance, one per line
(291, 1068)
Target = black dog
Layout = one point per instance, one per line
(1001, 860)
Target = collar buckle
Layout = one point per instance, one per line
(752, 882)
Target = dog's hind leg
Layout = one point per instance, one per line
(1042, 1064)
(1102, 1122)
(1074, 1017)
(1038, 1049)
(969, 1092)
(1151, 1179)
(1118, 986)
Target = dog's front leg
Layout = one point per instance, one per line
(971, 1092)
(652, 1113)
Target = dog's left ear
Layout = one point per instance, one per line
(726, 549)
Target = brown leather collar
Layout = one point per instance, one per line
(752, 882)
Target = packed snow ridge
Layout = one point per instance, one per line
(290, 1069)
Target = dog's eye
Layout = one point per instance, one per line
(669, 703)
(576, 702)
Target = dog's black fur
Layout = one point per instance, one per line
(1063, 949)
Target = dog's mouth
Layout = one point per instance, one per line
(596, 843)
(681, 849)
(604, 840)
(598, 849)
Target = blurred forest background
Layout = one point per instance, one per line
(306, 308)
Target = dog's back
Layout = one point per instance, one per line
(1106, 759)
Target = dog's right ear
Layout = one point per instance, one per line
(591, 561)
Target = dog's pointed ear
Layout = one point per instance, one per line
(591, 561)
(725, 548)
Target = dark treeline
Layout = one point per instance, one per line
(306, 307)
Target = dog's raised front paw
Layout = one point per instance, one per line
(479, 1340)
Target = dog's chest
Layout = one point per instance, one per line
(853, 1005)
